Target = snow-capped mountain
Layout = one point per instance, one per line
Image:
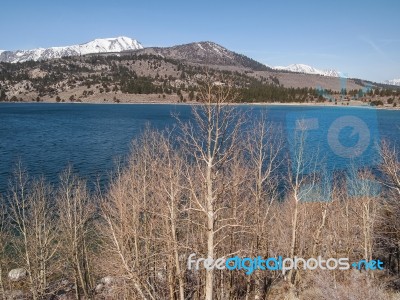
(301, 68)
(393, 81)
(117, 44)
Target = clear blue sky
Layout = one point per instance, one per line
(361, 38)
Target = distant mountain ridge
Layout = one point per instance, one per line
(204, 53)
(306, 69)
(106, 45)
(393, 81)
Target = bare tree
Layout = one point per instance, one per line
(390, 166)
(388, 228)
(4, 242)
(362, 187)
(33, 215)
(264, 146)
(171, 193)
(76, 212)
(132, 228)
(302, 182)
(211, 140)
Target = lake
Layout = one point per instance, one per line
(48, 137)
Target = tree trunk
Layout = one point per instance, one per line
(210, 232)
(3, 296)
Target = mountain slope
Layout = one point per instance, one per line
(301, 68)
(96, 46)
(206, 53)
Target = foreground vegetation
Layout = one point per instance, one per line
(213, 187)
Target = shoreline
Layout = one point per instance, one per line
(196, 103)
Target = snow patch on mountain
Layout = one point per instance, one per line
(200, 46)
(302, 68)
(213, 47)
(107, 45)
(393, 81)
(110, 45)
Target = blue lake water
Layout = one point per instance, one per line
(48, 137)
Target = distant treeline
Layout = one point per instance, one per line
(149, 74)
